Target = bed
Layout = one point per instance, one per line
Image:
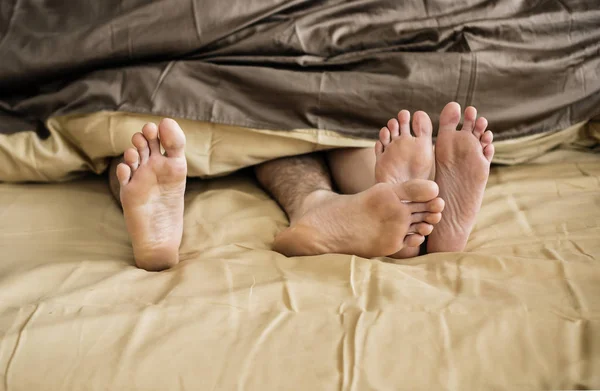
(519, 309)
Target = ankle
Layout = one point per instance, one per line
(313, 199)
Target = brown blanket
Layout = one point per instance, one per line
(347, 66)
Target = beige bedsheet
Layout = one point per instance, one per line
(519, 310)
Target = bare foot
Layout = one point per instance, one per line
(369, 224)
(152, 188)
(401, 157)
(462, 161)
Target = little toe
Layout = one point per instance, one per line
(417, 190)
(394, 128)
(404, 120)
(141, 144)
(123, 173)
(488, 152)
(132, 158)
(487, 138)
(150, 131)
(422, 124)
(172, 138)
(480, 126)
(450, 117)
(414, 240)
(423, 229)
(470, 118)
(385, 136)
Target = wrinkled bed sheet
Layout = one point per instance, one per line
(519, 310)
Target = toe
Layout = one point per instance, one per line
(450, 117)
(426, 217)
(423, 229)
(417, 190)
(404, 120)
(123, 173)
(422, 124)
(385, 136)
(436, 205)
(487, 138)
(414, 240)
(132, 159)
(172, 138)
(432, 218)
(488, 152)
(480, 127)
(141, 144)
(469, 121)
(394, 128)
(150, 131)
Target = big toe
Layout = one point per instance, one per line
(417, 190)
(172, 137)
(450, 117)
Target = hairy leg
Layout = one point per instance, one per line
(294, 181)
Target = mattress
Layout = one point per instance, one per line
(520, 309)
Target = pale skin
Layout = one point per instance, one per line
(387, 206)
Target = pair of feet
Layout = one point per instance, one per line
(393, 217)
(390, 218)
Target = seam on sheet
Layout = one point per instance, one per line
(211, 148)
(458, 83)
(34, 156)
(111, 134)
(10, 23)
(302, 46)
(471, 86)
(348, 348)
(426, 7)
(318, 128)
(196, 24)
(581, 250)
(17, 343)
(161, 78)
(319, 101)
(572, 296)
(352, 275)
